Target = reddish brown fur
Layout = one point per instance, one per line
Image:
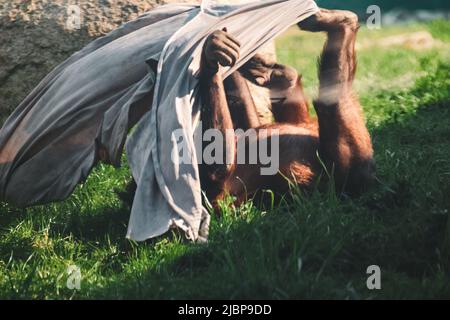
(339, 134)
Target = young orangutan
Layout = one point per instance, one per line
(338, 137)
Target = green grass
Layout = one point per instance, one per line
(313, 247)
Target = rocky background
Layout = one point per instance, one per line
(36, 35)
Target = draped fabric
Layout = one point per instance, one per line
(51, 141)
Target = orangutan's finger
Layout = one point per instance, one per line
(223, 59)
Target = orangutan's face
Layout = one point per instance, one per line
(265, 72)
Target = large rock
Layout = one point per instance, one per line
(36, 35)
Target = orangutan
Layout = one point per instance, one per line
(336, 141)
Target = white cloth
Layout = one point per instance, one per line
(48, 144)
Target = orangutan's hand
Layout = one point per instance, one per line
(220, 48)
